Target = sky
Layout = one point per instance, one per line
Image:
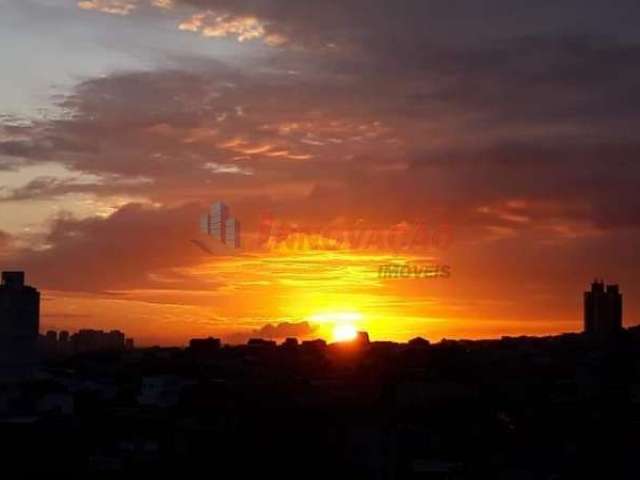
(505, 131)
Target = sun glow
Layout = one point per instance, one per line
(336, 317)
(341, 326)
(344, 333)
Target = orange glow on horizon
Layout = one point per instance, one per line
(336, 292)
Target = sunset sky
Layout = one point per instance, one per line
(511, 123)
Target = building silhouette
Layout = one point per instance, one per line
(290, 343)
(362, 338)
(85, 340)
(88, 340)
(204, 346)
(19, 325)
(602, 309)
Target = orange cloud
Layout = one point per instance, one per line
(114, 7)
(221, 25)
(165, 4)
(122, 7)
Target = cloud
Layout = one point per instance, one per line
(120, 251)
(384, 30)
(454, 149)
(6, 241)
(227, 168)
(115, 7)
(242, 28)
(278, 331)
(123, 7)
(48, 187)
(164, 4)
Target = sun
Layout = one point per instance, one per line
(341, 326)
(344, 333)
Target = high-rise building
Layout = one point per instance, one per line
(602, 309)
(232, 233)
(19, 325)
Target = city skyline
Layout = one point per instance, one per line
(21, 337)
(513, 407)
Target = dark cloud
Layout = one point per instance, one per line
(275, 331)
(19, 148)
(379, 27)
(553, 64)
(344, 146)
(121, 251)
(44, 187)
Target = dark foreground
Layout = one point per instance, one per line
(552, 408)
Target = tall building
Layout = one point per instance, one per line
(602, 309)
(19, 325)
(232, 233)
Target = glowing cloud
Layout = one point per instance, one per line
(165, 4)
(227, 168)
(242, 27)
(114, 7)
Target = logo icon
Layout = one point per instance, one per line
(218, 223)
